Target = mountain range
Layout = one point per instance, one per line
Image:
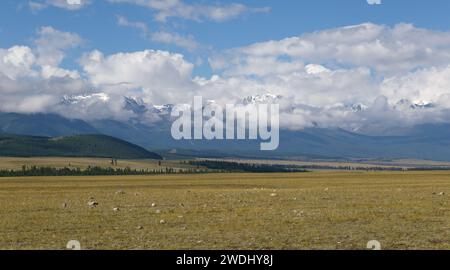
(430, 141)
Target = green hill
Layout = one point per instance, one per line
(72, 146)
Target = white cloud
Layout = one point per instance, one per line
(384, 49)
(351, 77)
(374, 2)
(187, 42)
(365, 77)
(36, 6)
(48, 72)
(17, 62)
(31, 79)
(157, 75)
(430, 85)
(51, 45)
(316, 69)
(196, 12)
(142, 27)
(71, 5)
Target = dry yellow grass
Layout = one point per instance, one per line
(321, 210)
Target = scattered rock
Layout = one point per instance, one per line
(326, 189)
(162, 221)
(153, 204)
(139, 227)
(120, 192)
(273, 195)
(441, 193)
(158, 211)
(115, 209)
(64, 205)
(92, 203)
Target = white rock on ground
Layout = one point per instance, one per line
(92, 203)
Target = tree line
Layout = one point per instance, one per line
(228, 166)
(93, 171)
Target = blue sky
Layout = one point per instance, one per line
(97, 23)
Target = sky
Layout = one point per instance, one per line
(356, 64)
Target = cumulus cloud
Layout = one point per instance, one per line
(30, 77)
(32, 80)
(17, 62)
(158, 76)
(355, 77)
(196, 12)
(430, 85)
(384, 49)
(361, 78)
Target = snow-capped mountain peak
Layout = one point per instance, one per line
(357, 107)
(165, 109)
(406, 104)
(135, 104)
(265, 98)
(75, 99)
